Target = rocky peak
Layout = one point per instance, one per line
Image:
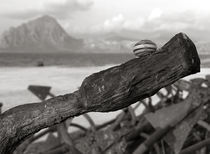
(42, 32)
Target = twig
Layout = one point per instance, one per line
(204, 124)
(62, 131)
(196, 147)
(133, 115)
(61, 148)
(105, 124)
(1, 104)
(118, 120)
(163, 147)
(137, 105)
(91, 122)
(158, 134)
(79, 126)
(156, 147)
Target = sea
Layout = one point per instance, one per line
(64, 73)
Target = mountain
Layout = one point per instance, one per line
(43, 34)
(46, 35)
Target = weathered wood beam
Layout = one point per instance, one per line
(108, 90)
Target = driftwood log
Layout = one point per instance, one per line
(108, 90)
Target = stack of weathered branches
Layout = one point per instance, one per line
(178, 123)
(175, 123)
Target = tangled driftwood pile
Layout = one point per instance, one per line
(178, 123)
(172, 125)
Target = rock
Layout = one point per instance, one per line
(43, 34)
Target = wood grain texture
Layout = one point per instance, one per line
(108, 90)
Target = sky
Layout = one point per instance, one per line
(158, 19)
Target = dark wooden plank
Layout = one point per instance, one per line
(108, 90)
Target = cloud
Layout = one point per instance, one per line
(116, 24)
(65, 9)
(156, 13)
(61, 10)
(157, 25)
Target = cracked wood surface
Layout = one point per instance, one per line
(109, 90)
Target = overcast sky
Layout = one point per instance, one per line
(160, 18)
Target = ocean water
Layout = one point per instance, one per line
(72, 59)
(14, 81)
(62, 59)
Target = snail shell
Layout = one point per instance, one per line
(144, 47)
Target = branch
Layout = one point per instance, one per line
(196, 147)
(108, 90)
